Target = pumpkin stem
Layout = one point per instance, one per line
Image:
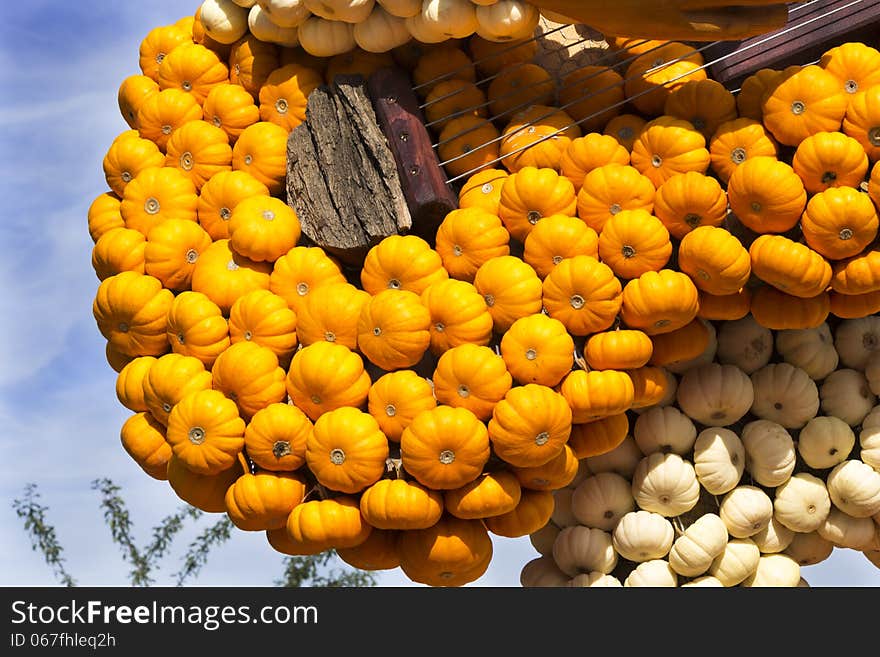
(245, 464)
(580, 361)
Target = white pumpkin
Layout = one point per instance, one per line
(869, 439)
(562, 515)
(346, 11)
(668, 398)
(223, 20)
(856, 339)
(665, 484)
(583, 550)
(745, 344)
(664, 429)
(642, 536)
(737, 560)
(825, 441)
(784, 394)
(719, 459)
(715, 394)
(623, 459)
(601, 500)
(812, 350)
(594, 579)
(381, 32)
(696, 548)
(705, 580)
(775, 537)
(323, 38)
(708, 355)
(770, 452)
(745, 510)
(776, 570)
(247, 4)
(802, 503)
(457, 19)
(286, 13)
(854, 488)
(808, 549)
(845, 394)
(507, 20)
(424, 32)
(542, 572)
(872, 372)
(542, 539)
(401, 8)
(265, 29)
(652, 574)
(844, 531)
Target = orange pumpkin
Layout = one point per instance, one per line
(668, 146)
(143, 438)
(490, 57)
(531, 194)
(599, 436)
(491, 494)
(766, 195)
(395, 398)
(511, 289)
(651, 386)
(874, 185)
(625, 128)
(595, 394)
(444, 447)
(356, 61)
(530, 425)
(231, 108)
(472, 377)
(224, 275)
(275, 438)
(633, 242)
(854, 306)
(331, 313)
(690, 200)
(118, 250)
(401, 262)
(803, 101)
(725, 306)
(130, 310)
(442, 62)
(705, 104)
(301, 271)
(749, 100)
(393, 329)
(592, 95)
(251, 61)
(611, 188)
(859, 274)
(483, 190)
(196, 327)
(537, 137)
(157, 43)
(778, 311)
(263, 228)
(839, 222)
(659, 302)
(346, 450)
(284, 95)
(126, 158)
(517, 86)
(621, 349)
(467, 238)
(162, 112)
(735, 141)
(172, 249)
(130, 383)
(192, 68)
(531, 514)
(862, 120)
(249, 374)
(468, 144)
(829, 159)
(263, 318)
(583, 294)
(104, 214)
(589, 152)
(680, 345)
(856, 65)
(324, 376)
(157, 194)
(459, 315)
(205, 432)
(336, 522)
(453, 98)
(219, 196)
(652, 76)
(261, 150)
(557, 473)
(263, 500)
(537, 349)
(400, 504)
(553, 239)
(716, 261)
(453, 552)
(789, 266)
(205, 492)
(199, 149)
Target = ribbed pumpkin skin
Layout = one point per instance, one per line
(750, 97)
(633, 242)
(589, 152)
(599, 436)
(378, 552)
(459, 315)
(689, 201)
(857, 275)
(829, 159)
(157, 43)
(583, 294)
(621, 349)
(553, 239)
(453, 552)
(261, 150)
(402, 262)
(196, 327)
(395, 398)
(491, 494)
(199, 149)
(532, 193)
(472, 377)
(104, 215)
(335, 522)
(264, 500)
(659, 302)
(162, 112)
(530, 425)
(206, 432)
(300, 272)
(789, 266)
(172, 249)
(651, 385)
(157, 194)
(231, 108)
(596, 394)
(726, 306)
(284, 94)
(445, 447)
(839, 222)
(118, 250)
(401, 504)
(705, 104)
(533, 512)
(130, 310)
(263, 318)
(766, 195)
(511, 288)
(346, 450)
(324, 376)
(192, 68)
(224, 275)
(130, 383)
(249, 374)
(610, 188)
(171, 378)
(862, 120)
(776, 310)
(483, 190)
(219, 196)
(737, 140)
(143, 437)
(276, 436)
(393, 329)
(537, 349)
(668, 146)
(205, 492)
(469, 237)
(127, 157)
(715, 260)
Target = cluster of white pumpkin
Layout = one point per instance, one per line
(325, 28)
(763, 459)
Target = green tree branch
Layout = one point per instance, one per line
(41, 534)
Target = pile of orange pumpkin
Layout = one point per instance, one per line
(404, 412)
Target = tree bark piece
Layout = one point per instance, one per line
(342, 178)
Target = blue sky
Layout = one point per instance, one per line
(61, 64)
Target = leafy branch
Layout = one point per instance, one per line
(197, 553)
(41, 533)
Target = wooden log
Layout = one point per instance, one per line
(341, 176)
